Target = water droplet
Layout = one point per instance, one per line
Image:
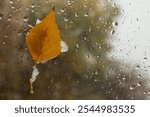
(88, 56)
(124, 78)
(17, 20)
(96, 73)
(63, 10)
(70, 2)
(27, 8)
(115, 24)
(132, 87)
(85, 5)
(100, 47)
(139, 84)
(145, 58)
(33, 5)
(9, 18)
(77, 45)
(139, 76)
(32, 11)
(3, 43)
(1, 15)
(6, 36)
(25, 19)
(122, 11)
(114, 5)
(144, 93)
(89, 29)
(137, 67)
(95, 80)
(86, 14)
(19, 33)
(112, 32)
(76, 14)
(66, 19)
(85, 38)
(13, 7)
(11, 1)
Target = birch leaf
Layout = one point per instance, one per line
(44, 40)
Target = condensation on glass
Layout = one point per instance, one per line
(108, 56)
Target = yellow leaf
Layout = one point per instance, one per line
(44, 41)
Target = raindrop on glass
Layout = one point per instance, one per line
(112, 32)
(77, 45)
(132, 87)
(69, 2)
(25, 19)
(1, 15)
(86, 14)
(96, 73)
(85, 38)
(6, 36)
(63, 10)
(3, 43)
(139, 84)
(32, 11)
(11, 1)
(66, 19)
(33, 5)
(88, 56)
(145, 58)
(13, 7)
(115, 24)
(137, 67)
(76, 14)
(95, 80)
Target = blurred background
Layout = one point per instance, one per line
(108, 55)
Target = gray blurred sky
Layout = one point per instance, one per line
(132, 38)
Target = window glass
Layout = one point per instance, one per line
(108, 50)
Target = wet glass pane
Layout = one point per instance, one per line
(108, 50)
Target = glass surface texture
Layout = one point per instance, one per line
(108, 55)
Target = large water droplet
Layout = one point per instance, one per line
(115, 24)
